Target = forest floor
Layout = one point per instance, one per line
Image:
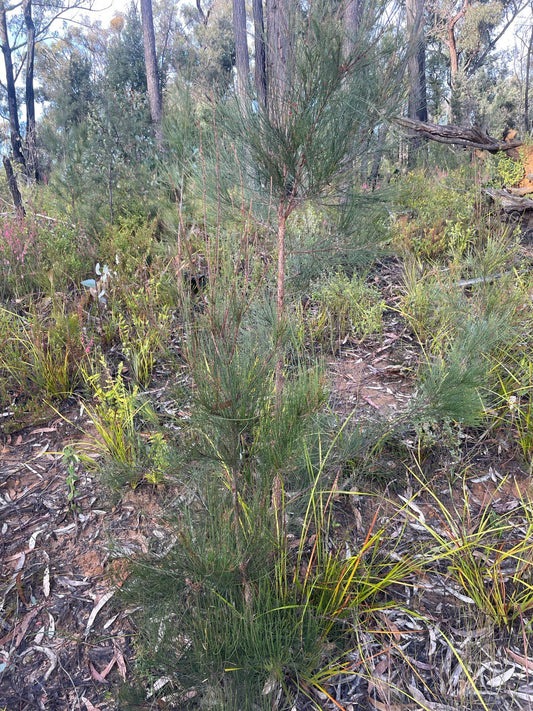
(65, 644)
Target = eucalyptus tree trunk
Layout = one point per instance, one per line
(242, 59)
(152, 74)
(13, 187)
(416, 71)
(12, 106)
(353, 17)
(278, 49)
(527, 123)
(451, 41)
(31, 135)
(260, 54)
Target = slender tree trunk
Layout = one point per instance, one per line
(416, 66)
(416, 71)
(451, 42)
(31, 133)
(13, 187)
(260, 53)
(204, 16)
(378, 156)
(527, 123)
(278, 60)
(152, 74)
(242, 59)
(110, 191)
(277, 56)
(353, 16)
(14, 126)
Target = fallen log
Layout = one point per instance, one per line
(510, 203)
(474, 138)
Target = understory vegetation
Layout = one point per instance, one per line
(328, 545)
(295, 548)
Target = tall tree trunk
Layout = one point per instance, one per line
(277, 64)
(242, 59)
(353, 16)
(378, 156)
(277, 55)
(416, 71)
(527, 123)
(13, 187)
(260, 53)
(152, 75)
(31, 134)
(14, 126)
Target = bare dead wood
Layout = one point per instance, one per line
(474, 138)
(520, 192)
(509, 202)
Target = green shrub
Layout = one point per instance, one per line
(133, 447)
(345, 308)
(508, 171)
(142, 328)
(436, 214)
(512, 395)
(247, 620)
(42, 354)
(348, 237)
(129, 244)
(39, 254)
(482, 286)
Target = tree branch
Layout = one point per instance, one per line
(473, 137)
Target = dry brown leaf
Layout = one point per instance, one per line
(370, 402)
(378, 684)
(382, 666)
(424, 704)
(88, 705)
(33, 538)
(525, 662)
(21, 558)
(392, 627)
(20, 629)
(500, 679)
(121, 664)
(46, 581)
(95, 674)
(386, 706)
(52, 656)
(20, 590)
(110, 666)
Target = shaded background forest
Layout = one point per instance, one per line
(93, 140)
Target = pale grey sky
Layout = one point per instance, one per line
(105, 10)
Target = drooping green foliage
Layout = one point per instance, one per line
(126, 72)
(303, 147)
(104, 144)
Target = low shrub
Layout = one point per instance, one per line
(40, 254)
(436, 216)
(346, 308)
